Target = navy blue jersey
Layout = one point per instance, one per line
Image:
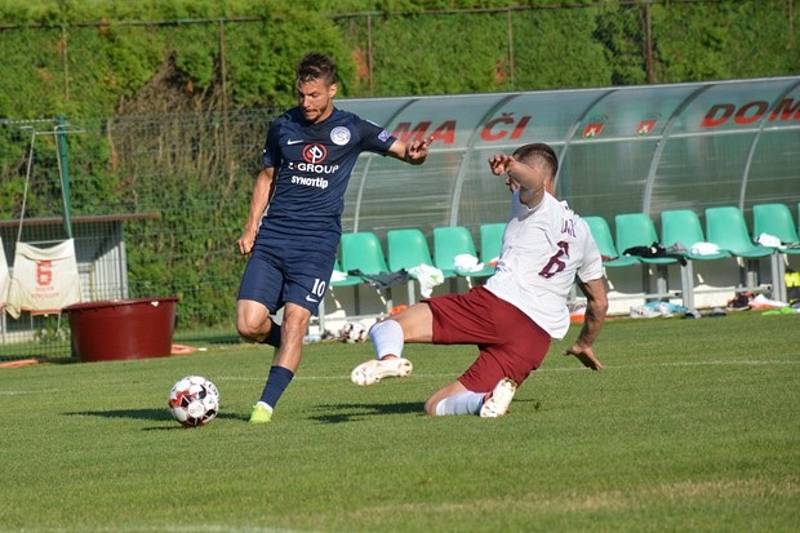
(312, 165)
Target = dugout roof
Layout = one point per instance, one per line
(622, 149)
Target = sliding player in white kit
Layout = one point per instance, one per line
(521, 307)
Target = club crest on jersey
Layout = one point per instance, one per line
(340, 135)
(315, 153)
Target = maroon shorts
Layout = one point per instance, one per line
(511, 344)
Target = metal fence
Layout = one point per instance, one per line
(154, 203)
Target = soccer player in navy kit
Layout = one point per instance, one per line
(294, 225)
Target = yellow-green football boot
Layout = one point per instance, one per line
(262, 413)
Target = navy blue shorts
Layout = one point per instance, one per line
(274, 277)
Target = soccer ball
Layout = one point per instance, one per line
(353, 332)
(194, 401)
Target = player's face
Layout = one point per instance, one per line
(315, 99)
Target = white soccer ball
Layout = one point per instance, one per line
(353, 332)
(194, 401)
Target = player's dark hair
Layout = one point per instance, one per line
(538, 153)
(316, 66)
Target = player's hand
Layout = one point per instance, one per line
(246, 241)
(501, 163)
(585, 355)
(417, 151)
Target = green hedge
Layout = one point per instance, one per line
(87, 71)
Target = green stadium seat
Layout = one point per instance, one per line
(725, 227)
(347, 282)
(636, 229)
(407, 248)
(776, 219)
(602, 236)
(449, 242)
(682, 226)
(362, 251)
(491, 244)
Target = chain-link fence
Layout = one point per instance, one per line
(155, 204)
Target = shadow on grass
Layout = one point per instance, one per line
(138, 414)
(150, 414)
(214, 338)
(353, 412)
(537, 404)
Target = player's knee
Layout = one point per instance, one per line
(433, 402)
(249, 327)
(293, 321)
(430, 405)
(416, 323)
(602, 304)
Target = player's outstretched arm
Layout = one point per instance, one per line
(596, 309)
(413, 153)
(257, 206)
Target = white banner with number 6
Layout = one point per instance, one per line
(44, 279)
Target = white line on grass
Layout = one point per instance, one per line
(174, 528)
(16, 392)
(741, 362)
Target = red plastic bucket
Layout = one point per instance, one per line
(122, 329)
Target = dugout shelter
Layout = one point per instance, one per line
(644, 151)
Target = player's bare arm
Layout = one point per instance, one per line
(596, 309)
(257, 206)
(413, 153)
(529, 180)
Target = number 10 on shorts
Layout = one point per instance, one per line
(319, 288)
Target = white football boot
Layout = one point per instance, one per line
(375, 370)
(497, 404)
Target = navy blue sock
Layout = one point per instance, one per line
(277, 381)
(273, 338)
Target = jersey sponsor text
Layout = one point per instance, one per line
(310, 167)
(318, 182)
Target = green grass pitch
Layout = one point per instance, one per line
(694, 425)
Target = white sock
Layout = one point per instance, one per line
(387, 336)
(264, 404)
(463, 403)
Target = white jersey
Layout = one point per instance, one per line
(543, 250)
